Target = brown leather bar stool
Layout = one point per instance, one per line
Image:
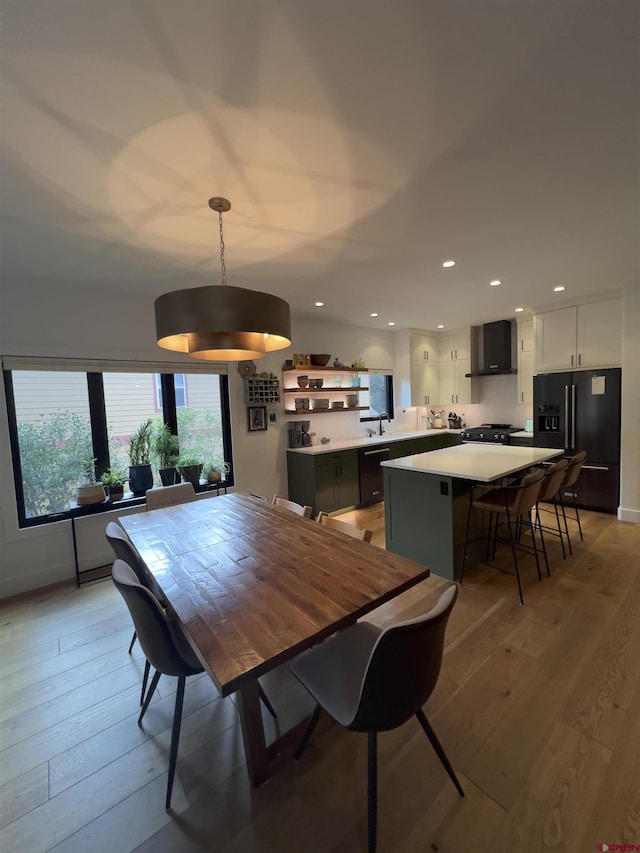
(553, 478)
(515, 504)
(574, 469)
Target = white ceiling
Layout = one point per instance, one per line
(360, 143)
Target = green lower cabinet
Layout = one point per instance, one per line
(327, 482)
(411, 446)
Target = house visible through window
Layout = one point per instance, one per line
(180, 386)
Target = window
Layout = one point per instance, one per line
(379, 397)
(180, 387)
(61, 420)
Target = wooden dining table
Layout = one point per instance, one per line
(254, 585)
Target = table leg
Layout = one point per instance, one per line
(262, 760)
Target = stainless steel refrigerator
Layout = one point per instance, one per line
(581, 411)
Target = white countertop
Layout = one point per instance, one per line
(522, 433)
(363, 441)
(482, 463)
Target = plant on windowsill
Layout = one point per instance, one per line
(167, 449)
(113, 481)
(88, 490)
(140, 474)
(214, 468)
(190, 468)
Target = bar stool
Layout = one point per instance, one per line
(554, 475)
(573, 471)
(514, 503)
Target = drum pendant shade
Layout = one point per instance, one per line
(220, 322)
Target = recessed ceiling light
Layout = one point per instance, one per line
(519, 310)
(391, 324)
(375, 314)
(495, 282)
(449, 263)
(440, 326)
(319, 304)
(558, 288)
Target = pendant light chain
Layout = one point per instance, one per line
(223, 275)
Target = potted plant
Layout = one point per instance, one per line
(140, 474)
(190, 468)
(214, 469)
(167, 449)
(88, 490)
(113, 481)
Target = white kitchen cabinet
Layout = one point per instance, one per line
(526, 352)
(456, 346)
(423, 348)
(587, 335)
(425, 383)
(455, 387)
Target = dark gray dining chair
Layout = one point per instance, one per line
(124, 550)
(165, 648)
(371, 680)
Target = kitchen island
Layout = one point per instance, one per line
(427, 495)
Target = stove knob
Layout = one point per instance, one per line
(496, 436)
(481, 435)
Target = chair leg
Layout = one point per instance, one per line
(515, 557)
(575, 506)
(488, 548)
(555, 506)
(544, 550)
(145, 678)
(372, 792)
(566, 526)
(152, 690)
(132, 643)
(175, 737)
(435, 743)
(267, 703)
(306, 737)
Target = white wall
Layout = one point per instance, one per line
(630, 436)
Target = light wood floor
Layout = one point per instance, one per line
(538, 708)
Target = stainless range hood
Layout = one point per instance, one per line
(492, 349)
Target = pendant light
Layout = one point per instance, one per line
(222, 323)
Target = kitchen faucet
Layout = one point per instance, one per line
(380, 417)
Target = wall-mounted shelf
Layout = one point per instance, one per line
(258, 392)
(342, 389)
(325, 411)
(309, 368)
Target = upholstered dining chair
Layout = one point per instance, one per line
(574, 469)
(554, 475)
(371, 679)
(344, 527)
(181, 493)
(165, 648)
(299, 509)
(513, 503)
(124, 550)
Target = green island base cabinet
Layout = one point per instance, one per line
(330, 481)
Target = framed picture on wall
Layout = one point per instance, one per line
(257, 418)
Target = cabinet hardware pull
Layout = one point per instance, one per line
(595, 467)
(571, 361)
(579, 358)
(373, 452)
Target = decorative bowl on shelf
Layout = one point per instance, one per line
(320, 359)
(316, 383)
(303, 381)
(352, 400)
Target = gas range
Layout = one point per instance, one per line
(489, 433)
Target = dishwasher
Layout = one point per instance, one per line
(371, 488)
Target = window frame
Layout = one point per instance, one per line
(99, 429)
(365, 418)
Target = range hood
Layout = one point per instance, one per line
(493, 349)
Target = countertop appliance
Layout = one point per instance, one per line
(577, 411)
(489, 433)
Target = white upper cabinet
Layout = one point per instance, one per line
(456, 346)
(423, 348)
(525, 360)
(425, 383)
(582, 336)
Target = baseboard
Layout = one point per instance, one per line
(632, 515)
